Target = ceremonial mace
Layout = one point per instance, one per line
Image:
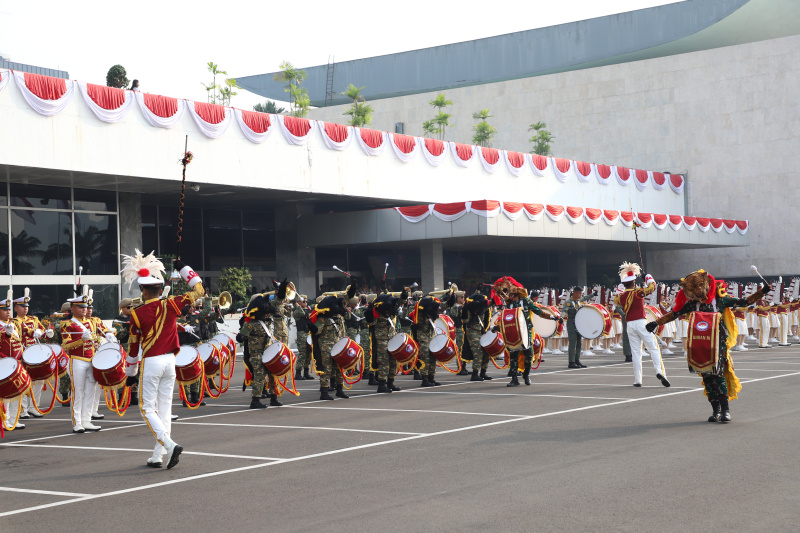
(185, 160)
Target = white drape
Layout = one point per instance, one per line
(401, 155)
(209, 130)
(106, 115)
(334, 145)
(155, 120)
(5, 75)
(561, 176)
(489, 167)
(48, 108)
(369, 150)
(462, 162)
(434, 160)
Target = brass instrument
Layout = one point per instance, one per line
(453, 288)
(337, 294)
(407, 290)
(223, 301)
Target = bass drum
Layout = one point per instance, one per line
(347, 353)
(444, 325)
(515, 329)
(277, 359)
(544, 327)
(39, 361)
(652, 314)
(108, 368)
(593, 321)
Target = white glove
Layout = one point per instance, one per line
(110, 337)
(189, 276)
(648, 279)
(87, 335)
(37, 334)
(188, 329)
(49, 333)
(10, 329)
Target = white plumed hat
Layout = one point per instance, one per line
(629, 271)
(146, 270)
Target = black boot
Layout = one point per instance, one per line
(255, 403)
(511, 373)
(306, 374)
(323, 393)
(134, 397)
(244, 386)
(514, 380)
(273, 401)
(475, 376)
(372, 380)
(416, 375)
(726, 414)
(484, 376)
(298, 376)
(340, 391)
(391, 385)
(433, 382)
(425, 382)
(526, 374)
(196, 398)
(464, 371)
(715, 417)
(331, 387)
(264, 395)
(382, 386)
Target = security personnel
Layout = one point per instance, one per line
(32, 330)
(10, 346)
(571, 307)
(300, 317)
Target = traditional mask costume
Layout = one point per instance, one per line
(712, 332)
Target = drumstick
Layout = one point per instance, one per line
(342, 271)
(754, 269)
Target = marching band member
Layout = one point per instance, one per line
(329, 319)
(79, 339)
(453, 309)
(31, 331)
(475, 317)
(365, 337)
(57, 320)
(632, 302)
(381, 314)
(259, 311)
(571, 307)
(10, 346)
(701, 292)
(154, 337)
(300, 316)
(99, 330)
(424, 313)
(763, 323)
(122, 331)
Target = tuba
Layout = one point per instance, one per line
(223, 301)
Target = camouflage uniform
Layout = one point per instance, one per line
(279, 326)
(473, 332)
(386, 364)
(329, 333)
(257, 341)
(300, 317)
(363, 330)
(424, 334)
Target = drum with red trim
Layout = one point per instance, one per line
(556, 312)
(188, 365)
(14, 380)
(347, 353)
(443, 348)
(593, 321)
(309, 341)
(538, 346)
(108, 368)
(544, 327)
(515, 329)
(403, 348)
(652, 314)
(277, 359)
(227, 340)
(492, 343)
(39, 361)
(61, 357)
(224, 351)
(209, 354)
(444, 325)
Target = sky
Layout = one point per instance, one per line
(166, 45)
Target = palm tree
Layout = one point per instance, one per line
(23, 246)
(291, 77)
(269, 107)
(483, 130)
(360, 112)
(541, 140)
(442, 120)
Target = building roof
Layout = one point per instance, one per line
(21, 67)
(637, 35)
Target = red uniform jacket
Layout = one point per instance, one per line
(154, 324)
(72, 339)
(632, 302)
(28, 325)
(10, 345)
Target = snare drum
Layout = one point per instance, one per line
(593, 321)
(39, 361)
(209, 353)
(61, 357)
(227, 341)
(277, 359)
(492, 343)
(403, 348)
(538, 346)
(224, 352)
(346, 352)
(444, 325)
(188, 365)
(515, 329)
(443, 348)
(652, 314)
(14, 380)
(554, 310)
(108, 368)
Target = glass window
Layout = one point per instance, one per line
(96, 243)
(39, 196)
(258, 234)
(46, 299)
(223, 239)
(106, 301)
(149, 232)
(41, 242)
(191, 236)
(3, 241)
(95, 200)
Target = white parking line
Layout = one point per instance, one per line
(398, 410)
(297, 427)
(147, 450)
(48, 492)
(532, 395)
(608, 385)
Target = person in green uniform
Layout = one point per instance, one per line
(255, 329)
(300, 316)
(519, 298)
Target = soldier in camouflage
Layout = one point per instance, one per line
(453, 310)
(329, 317)
(385, 307)
(427, 310)
(365, 343)
(255, 329)
(475, 317)
(300, 317)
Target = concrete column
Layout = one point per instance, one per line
(130, 233)
(432, 263)
(572, 267)
(297, 264)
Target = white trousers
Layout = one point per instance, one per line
(156, 383)
(638, 335)
(83, 384)
(99, 394)
(11, 410)
(763, 332)
(783, 332)
(36, 392)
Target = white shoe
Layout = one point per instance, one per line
(78, 429)
(174, 451)
(751, 338)
(547, 350)
(35, 414)
(174, 417)
(744, 348)
(773, 339)
(667, 351)
(557, 352)
(91, 427)
(19, 425)
(678, 341)
(24, 416)
(736, 348)
(608, 352)
(796, 338)
(587, 352)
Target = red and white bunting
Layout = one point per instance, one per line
(335, 136)
(539, 164)
(160, 111)
(256, 127)
(593, 216)
(640, 179)
(645, 220)
(415, 213)
(690, 223)
(703, 224)
(627, 218)
(562, 168)
(574, 214)
(659, 180)
(622, 174)
(583, 171)
(512, 210)
(716, 225)
(405, 146)
(485, 208)
(434, 151)
(610, 216)
(46, 95)
(676, 182)
(534, 212)
(675, 222)
(450, 212)
(5, 75)
(211, 119)
(296, 130)
(463, 154)
(660, 221)
(108, 104)
(489, 157)
(515, 161)
(603, 173)
(373, 142)
(554, 212)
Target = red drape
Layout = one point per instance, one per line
(299, 127)
(562, 164)
(162, 106)
(45, 87)
(211, 113)
(604, 171)
(106, 97)
(434, 146)
(371, 138)
(641, 176)
(336, 132)
(491, 155)
(584, 168)
(258, 122)
(405, 143)
(516, 159)
(464, 151)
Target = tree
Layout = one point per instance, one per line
(117, 77)
(360, 112)
(269, 107)
(236, 281)
(541, 140)
(438, 123)
(484, 132)
(219, 93)
(291, 78)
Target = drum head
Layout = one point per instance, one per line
(222, 347)
(205, 350)
(8, 365)
(110, 346)
(340, 345)
(589, 322)
(441, 327)
(523, 328)
(397, 341)
(358, 338)
(495, 319)
(543, 326)
(36, 354)
(186, 355)
(488, 338)
(106, 359)
(308, 340)
(438, 343)
(271, 352)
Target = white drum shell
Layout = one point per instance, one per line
(186, 355)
